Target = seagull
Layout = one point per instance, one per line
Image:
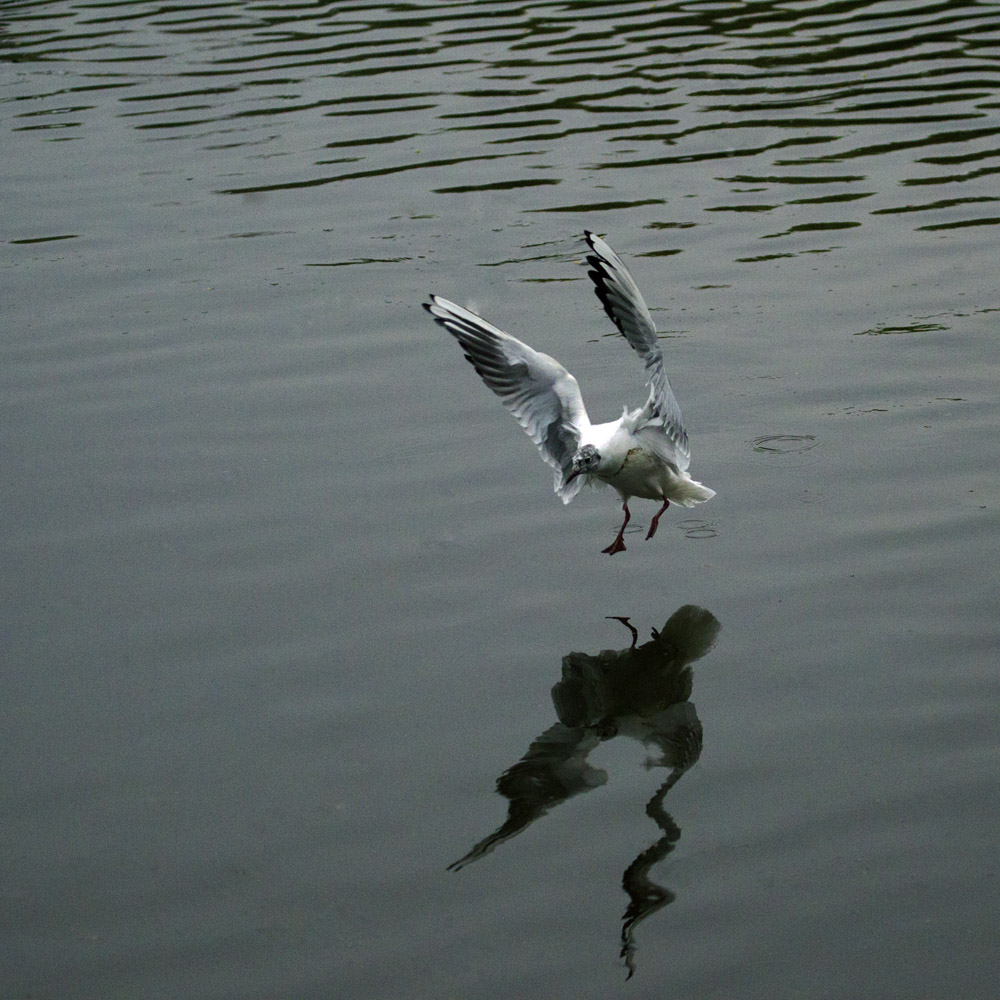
(644, 453)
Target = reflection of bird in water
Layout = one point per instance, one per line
(682, 748)
(553, 770)
(642, 692)
(644, 453)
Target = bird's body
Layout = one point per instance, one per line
(633, 461)
(644, 453)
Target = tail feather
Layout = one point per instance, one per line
(688, 492)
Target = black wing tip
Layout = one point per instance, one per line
(432, 302)
(436, 302)
(599, 272)
(600, 279)
(603, 270)
(447, 321)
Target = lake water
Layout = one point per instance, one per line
(291, 618)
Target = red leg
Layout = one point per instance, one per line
(656, 520)
(618, 545)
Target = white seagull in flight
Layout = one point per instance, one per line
(644, 453)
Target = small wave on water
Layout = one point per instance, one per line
(819, 116)
(783, 444)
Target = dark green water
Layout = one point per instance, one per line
(285, 591)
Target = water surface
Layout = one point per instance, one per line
(288, 600)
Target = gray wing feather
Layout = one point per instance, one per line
(541, 394)
(623, 302)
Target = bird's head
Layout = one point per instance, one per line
(587, 459)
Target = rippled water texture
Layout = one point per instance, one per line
(312, 687)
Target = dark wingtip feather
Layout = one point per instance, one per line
(599, 276)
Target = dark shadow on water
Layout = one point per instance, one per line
(643, 692)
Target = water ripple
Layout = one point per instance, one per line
(785, 91)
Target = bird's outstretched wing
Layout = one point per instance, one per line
(543, 396)
(623, 302)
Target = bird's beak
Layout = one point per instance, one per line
(572, 476)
